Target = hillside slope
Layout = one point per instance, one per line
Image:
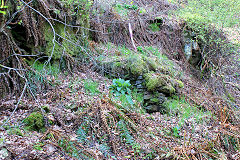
(119, 80)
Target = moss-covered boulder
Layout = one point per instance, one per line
(137, 65)
(35, 121)
(129, 66)
(161, 82)
(154, 75)
(158, 75)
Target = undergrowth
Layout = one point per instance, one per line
(91, 87)
(209, 23)
(220, 13)
(41, 76)
(178, 107)
(123, 9)
(129, 97)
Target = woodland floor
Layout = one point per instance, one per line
(68, 101)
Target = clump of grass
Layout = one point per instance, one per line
(201, 16)
(218, 12)
(180, 108)
(123, 9)
(15, 131)
(124, 50)
(91, 87)
(154, 27)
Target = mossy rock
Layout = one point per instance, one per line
(45, 108)
(161, 82)
(137, 65)
(180, 84)
(154, 100)
(113, 66)
(35, 121)
(128, 65)
(158, 76)
(119, 67)
(154, 80)
(152, 63)
(169, 89)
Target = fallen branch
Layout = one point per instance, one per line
(234, 85)
(16, 106)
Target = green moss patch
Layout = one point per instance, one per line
(137, 65)
(180, 84)
(15, 131)
(161, 82)
(65, 41)
(35, 122)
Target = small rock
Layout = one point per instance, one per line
(197, 129)
(50, 149)
(74, 137)
(70, 116)
(139, 83)
(51, 118)
(8, 142)
(173, 120)
(4, 153)
(193, 151)
(152, 108)
(147, 96)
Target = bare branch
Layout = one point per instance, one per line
(9, 68)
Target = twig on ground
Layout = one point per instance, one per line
(16, 106)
